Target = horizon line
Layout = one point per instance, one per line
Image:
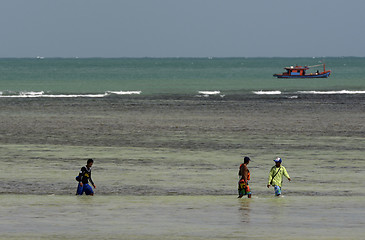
(211, 57)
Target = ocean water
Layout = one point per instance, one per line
(168, 136)
(186, 76)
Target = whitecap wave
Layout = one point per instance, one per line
(332, 92)
(31, 94)
(42, 94)
(210, 93)
(267, 92)
(54, 96)
(124, 92)
(293, 97)
(22, 94)
(75, 95)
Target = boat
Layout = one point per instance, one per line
(300, 72)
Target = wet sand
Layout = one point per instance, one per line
(182, 124)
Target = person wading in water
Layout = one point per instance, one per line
(83, 179)
(244, 173)
(276, 176)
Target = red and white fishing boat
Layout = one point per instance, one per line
(301, 72)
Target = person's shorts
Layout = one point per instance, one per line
(86, 188)
(243, 188)
(277, 190)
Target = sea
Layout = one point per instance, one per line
(168, 135)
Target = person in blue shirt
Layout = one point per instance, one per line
(83, 178)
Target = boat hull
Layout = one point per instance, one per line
(320, 75)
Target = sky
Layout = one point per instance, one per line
(182, 28)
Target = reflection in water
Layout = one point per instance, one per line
(276, 208)
(244, 209)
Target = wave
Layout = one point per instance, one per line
(267, 92)
(332, 92)
(42, 94)
(201, 94)
(278, 92)
(124, 92)
(209, 93)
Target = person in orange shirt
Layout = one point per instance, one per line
(244, 173)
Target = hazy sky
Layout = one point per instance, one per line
(182, 28)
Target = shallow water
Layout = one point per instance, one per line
(181, 217)
(167, 194)
(167, 169)
(51, 169)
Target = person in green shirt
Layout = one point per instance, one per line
(276, 176)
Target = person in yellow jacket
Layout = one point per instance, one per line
(276, 176)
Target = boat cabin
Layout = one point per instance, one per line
(295, 71)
